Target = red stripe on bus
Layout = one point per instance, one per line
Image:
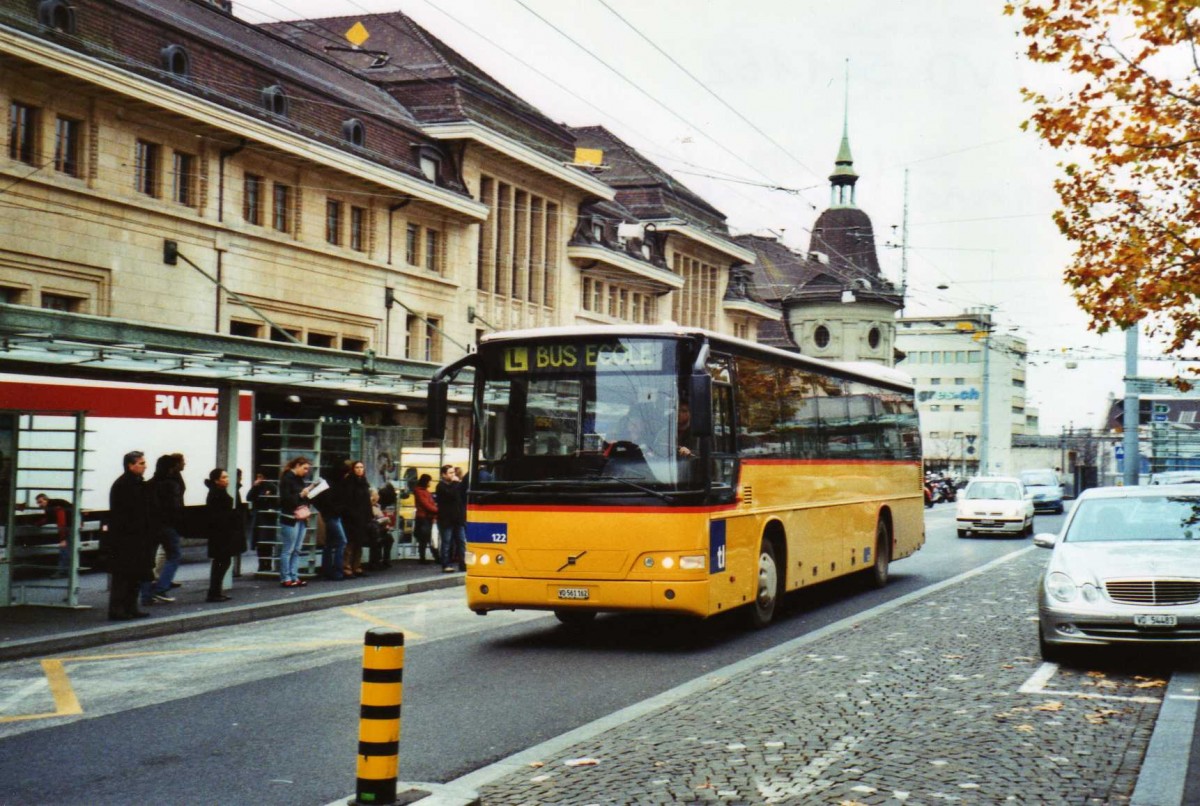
(593, 508)
(912, 462)
(102, 401)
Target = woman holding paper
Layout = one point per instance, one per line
(293, 519)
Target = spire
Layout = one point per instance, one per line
(843, 177)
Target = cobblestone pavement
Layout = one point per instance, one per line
(922, 704)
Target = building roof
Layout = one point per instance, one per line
(846, 236)
(430, 78)
(648, 191)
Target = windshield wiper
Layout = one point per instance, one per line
(513, 489)
(635, 485)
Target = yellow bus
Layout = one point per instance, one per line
(659, 468)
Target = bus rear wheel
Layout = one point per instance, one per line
(768, 589)
(575, 618)
(878, 574)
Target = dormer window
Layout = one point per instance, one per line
(821, 336)
(874, 337)
(57, 15)
(354, 133)
(275, 100)
(597, 230)
(429, 160)
(430, 167)
(176, 62)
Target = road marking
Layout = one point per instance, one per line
(373, 619)
(1036, 684)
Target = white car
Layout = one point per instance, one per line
(1046, 488)
(1125, 570)
(995, 505)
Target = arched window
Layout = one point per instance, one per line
(874, 337)
(354, 133)
(275, 100)
(58, 15)
(821, 336)
(175, 61)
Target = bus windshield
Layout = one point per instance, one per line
(594, 414)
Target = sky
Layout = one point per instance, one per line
(739, 98)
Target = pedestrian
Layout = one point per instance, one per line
(293, 519)
(167, 488)
(56, 511)
(358, 518)
(451, 523)
(130, 538)
(381, 534)
(330, 504)
(426, 514)
(224, 531)
(259, 497)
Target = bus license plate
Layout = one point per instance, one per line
(1156, 620)
(572, 593)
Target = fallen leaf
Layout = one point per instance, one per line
(536, 764)
(1096, 674)
(1150, 683)
(581, 762)
(1007, 666)
(1054, 705)
(953, 657)
(1025, 728)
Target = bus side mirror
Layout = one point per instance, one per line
(700, 395)
(435, 415)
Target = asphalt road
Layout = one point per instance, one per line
(267, 713)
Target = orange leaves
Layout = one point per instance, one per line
(1126, 105)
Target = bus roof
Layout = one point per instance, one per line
(853, 370)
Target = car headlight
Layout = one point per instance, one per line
(1061, 587)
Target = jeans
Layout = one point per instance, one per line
(170, 540)
(333, 554)
(452, 544)
(423, 532)
(291, 538)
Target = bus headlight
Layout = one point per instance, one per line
(648, 562)
(484, 559)
(692, 562)
(668, 562)
(469, 558)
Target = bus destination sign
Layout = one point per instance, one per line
(610, 356)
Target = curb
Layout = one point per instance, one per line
(240, 614)
(1163, 777)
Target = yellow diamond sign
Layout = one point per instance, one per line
(358, 34)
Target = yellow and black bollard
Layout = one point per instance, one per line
(379, 718)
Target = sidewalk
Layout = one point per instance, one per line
(937, 697)
(28, 631)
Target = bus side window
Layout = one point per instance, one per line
(723, 446)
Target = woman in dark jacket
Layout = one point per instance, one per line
(293, 494)
(223, 528)
(357, 517)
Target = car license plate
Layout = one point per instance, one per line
(572, 593)
(1156, 620)
(987, 522)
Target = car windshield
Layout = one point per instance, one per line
(1039, 478)
(993, 490)
(1135, 518)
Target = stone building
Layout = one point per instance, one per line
(836, 302)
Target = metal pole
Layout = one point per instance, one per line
(1130, 440)
(984, 466)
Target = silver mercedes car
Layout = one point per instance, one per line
(1124, 570)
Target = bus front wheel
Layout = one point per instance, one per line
(767, 592)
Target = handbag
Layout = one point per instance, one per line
(302, 512)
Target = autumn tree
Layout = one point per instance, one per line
(1127, 118)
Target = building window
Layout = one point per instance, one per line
(249, 329)
(959, 408)
(354, 345)
(67, 141)
(518, 254)
(974, 357)
(278, 334)
(424, 343)
(184, 187)
(935, 381)
(821, 336)
(175, 61)
(275, 100)
(320, 340)
(354, 133)
(281, 208)
(252, 199)
(57, 15)
(432, 249)
(22, 132)
(61, 302)
(412, 244)
(147, 168)
(874, 338)
(935, 407)
(960, 381)
(430, 167)
(358, 229)
(333, 222)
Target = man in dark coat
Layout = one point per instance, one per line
(452, 525)
(130, 538)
